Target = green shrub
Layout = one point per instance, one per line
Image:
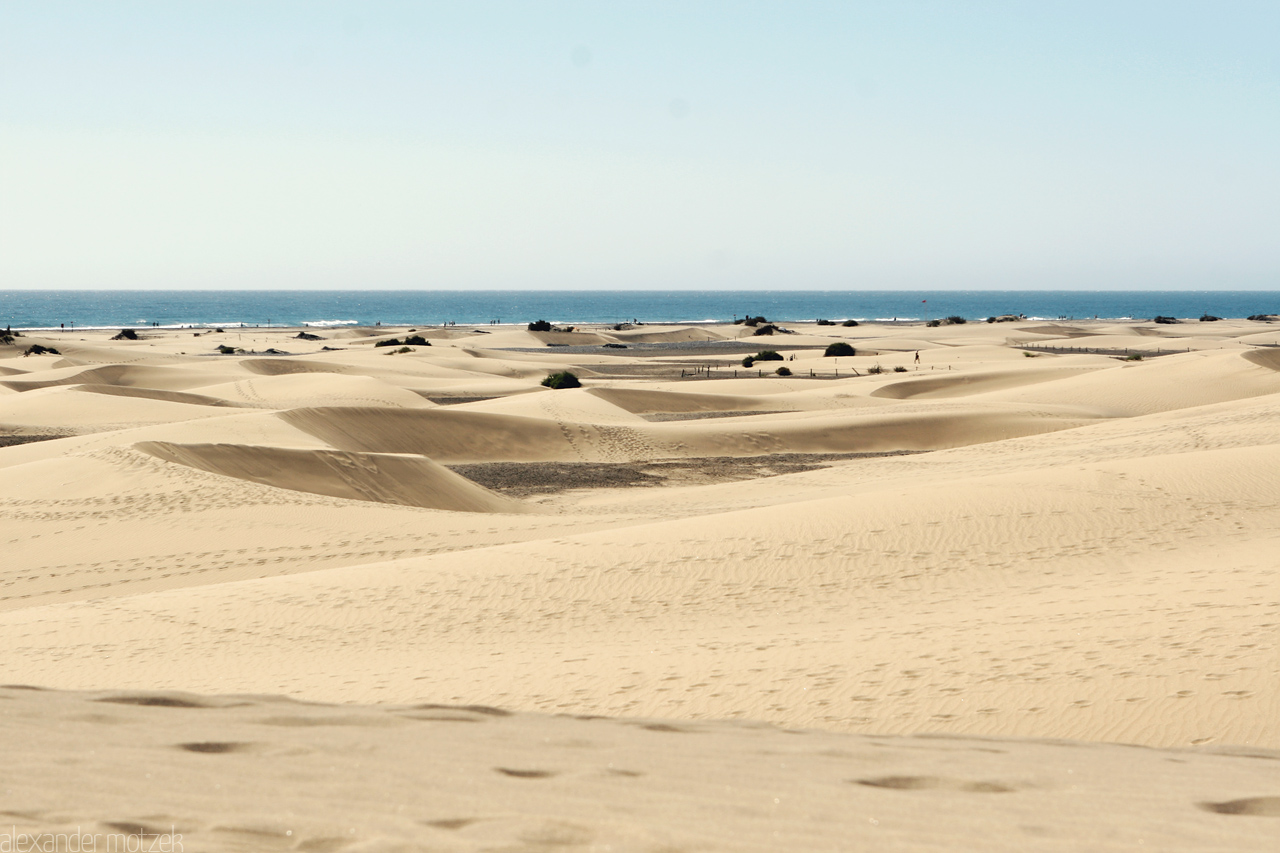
(748, 361)
(898, 368)
(825, 323)
(1031, 354)
(226, 350)
(1209, 318)
(849, 323)
(539, 326)
(768, 355)
(933, 324)
(956, 320)
(766, 329)
(838, 349)
(875, 369)
(783, 371)
(563, 379)
(37, 349)
(1164, 320)
(1135, 357)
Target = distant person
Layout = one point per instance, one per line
(917, 356)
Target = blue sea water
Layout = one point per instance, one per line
(207, 308)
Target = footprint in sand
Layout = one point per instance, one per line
(934, 783)
(1250, 806)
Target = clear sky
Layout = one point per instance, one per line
(800, 145)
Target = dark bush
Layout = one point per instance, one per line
(417, 341)
(783, 371)
(539, 326)
(307, 336)
(899, 369)
(825, 323)
(766, 329)
(226, 350)
(933, 324)
(563, 379)
(875, 369)
(36, 349)
(616, 346)
(1209, 318)
(748, 361)
(849, 323)
(956, 320)
(768, 355)
(1262, 318)
(753, 321)
(126, 335)
(1164, 320)
(837, 349)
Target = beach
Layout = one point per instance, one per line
(981, 586)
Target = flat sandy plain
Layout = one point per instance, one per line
(1024, 594)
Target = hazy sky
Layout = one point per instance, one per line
(690, 144)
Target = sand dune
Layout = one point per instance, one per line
(380, 477)
(973, 383)
(309, 388)
(254, 772)
(1080, 551)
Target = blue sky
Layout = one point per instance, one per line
(923, 145)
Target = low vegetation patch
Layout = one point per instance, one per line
(539, 326)
(899, 369)
(849, 323)
(1164, 320)
(768, 355)
(37, 349)
(563, 379)
(411, 341)
(1209, 318)
(125, 335)
(875, 369)
(837, 349)
(783, 371)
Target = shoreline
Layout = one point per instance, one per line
(605, 325)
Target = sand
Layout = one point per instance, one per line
(1021, 595)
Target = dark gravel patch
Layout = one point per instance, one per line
(660, 417)
(453, 401)
(11, 440)
(528, 479)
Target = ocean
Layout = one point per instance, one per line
(25, 309)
